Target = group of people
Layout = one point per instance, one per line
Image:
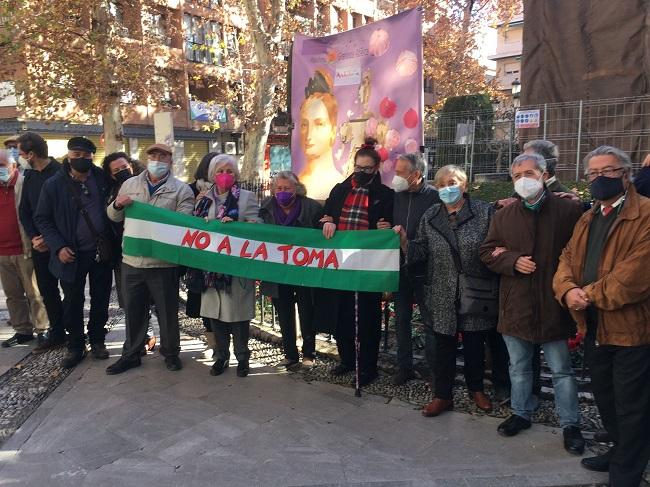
(512, 277)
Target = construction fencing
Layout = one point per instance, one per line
(485, 142)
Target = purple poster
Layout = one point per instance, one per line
(366, 82)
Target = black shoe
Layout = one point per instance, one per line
(574, 443)
(98, 351)
(72, 358)
(366, 378)
(173, 363)
(242, 369)
(47, 342)
(17, 339)
(603, 436)
(123, 364)
(513, 425)
(501, 394)
(219, 367)
(598, 463)
(402, 376)
(342, 369)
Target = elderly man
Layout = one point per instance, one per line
(144, 278)
(602, 279)
(549, 151)
(523, 246)
(413, 196)
(71, 216)
(33, 149)
(26, 310)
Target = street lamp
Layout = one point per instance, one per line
(516, 88)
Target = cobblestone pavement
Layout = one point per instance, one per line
(82, 457)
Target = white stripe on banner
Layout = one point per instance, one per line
(348, 259)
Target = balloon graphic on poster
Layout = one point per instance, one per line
(361, 83)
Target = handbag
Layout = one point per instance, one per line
(104, 251)
(477, 296)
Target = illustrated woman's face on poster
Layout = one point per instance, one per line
(317, 132)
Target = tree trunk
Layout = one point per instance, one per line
(256, 137)
(113, 127)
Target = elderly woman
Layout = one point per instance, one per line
(228, 301)
(289, 206)
(448, 237)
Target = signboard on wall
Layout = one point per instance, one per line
(207, 112)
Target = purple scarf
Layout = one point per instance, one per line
(287, 219)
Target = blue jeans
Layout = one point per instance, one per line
(521, 375)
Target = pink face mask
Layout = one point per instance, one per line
(224, 181)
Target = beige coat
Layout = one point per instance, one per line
(173, 195)
(239, 303)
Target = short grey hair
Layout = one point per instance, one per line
(416, 161)
(540, 162)
(289, 176)
(5, 154)
(608, 150)
(548, 150)
(221, 160)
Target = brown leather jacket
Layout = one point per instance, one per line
(622, 292)
(527, 307)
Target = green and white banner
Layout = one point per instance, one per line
(354, 261)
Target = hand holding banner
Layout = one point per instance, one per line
(354, 260)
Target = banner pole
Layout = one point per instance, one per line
(357, 386)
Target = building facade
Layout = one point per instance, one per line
(509, 48)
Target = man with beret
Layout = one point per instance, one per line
(146, 278)
(71, 216)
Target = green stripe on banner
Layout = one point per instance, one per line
(350, 280)
(307, 237)
(372, 274)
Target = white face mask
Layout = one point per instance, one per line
(528, 187)
(399, 184)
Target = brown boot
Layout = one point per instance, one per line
(436, 407)
(482, 401)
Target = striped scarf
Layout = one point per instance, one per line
(354, 214)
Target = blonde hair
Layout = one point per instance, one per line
(222, 160)
(452, 170)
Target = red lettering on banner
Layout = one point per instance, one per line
(285, 252)
(202, 240)
(189, 238)
(331, 260)
(244, 250)
(225, 245)
(261, 252)
(301, 259)
(317, 254)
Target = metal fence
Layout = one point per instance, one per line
(485, 142)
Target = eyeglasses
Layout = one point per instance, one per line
(366, 169)
(608, 172)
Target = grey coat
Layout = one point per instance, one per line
(432, 246)
(239, 303)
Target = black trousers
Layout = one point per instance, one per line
(620, 380)
(140, 287)
(369, 330)
(285, 305)
(445, 362)
(48, 285)
(100, 279)
(500, 361)
(240, 331)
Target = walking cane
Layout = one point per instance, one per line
(357, 386)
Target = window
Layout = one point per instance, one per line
(116, 11)
(511, 69)
(203, 40)
(357, 20)
(155, 24)
(231, 42)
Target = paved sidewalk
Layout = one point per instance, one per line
(10, 356)
(159, 428)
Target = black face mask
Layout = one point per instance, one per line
(603, 188)
(122, 176)
(363, 178)
(81, 164)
